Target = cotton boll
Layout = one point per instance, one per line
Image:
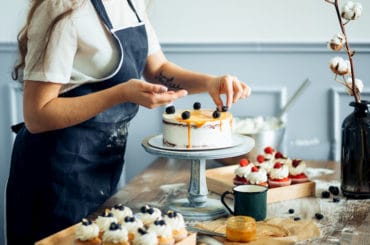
(351, 10)
(337, 42)
(340, 66)
(358, 83)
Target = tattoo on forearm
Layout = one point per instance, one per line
(168, 82)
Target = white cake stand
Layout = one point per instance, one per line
(198, 206)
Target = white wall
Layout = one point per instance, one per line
(227, 20)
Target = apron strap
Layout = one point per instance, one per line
(99, 7)
(134, 10)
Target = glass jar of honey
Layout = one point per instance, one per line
(240, 229)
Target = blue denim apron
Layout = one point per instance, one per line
(59, 177)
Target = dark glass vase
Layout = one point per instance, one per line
(355, 155)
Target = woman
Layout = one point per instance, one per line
(82, 64)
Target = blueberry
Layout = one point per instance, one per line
(170, 109)
(336, 199)
(225, 108)
(143, 209)
(334, 190)
(141, 231)
(325, 194)
(129, 219)
(216, 114)
(197, 106)
(297, 218)
(171, 214)
(114, 226)
(119, 207)
(185, 115)
(319, 216)
(291, 211)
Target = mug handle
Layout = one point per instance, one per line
(223, 201)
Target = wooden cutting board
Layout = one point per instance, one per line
(220, 180)
(67, 237)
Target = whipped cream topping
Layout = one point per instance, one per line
(266, 165)
(299, 169)
(86, 232)
(149, 214)
(175, 221)
(104, 222)
(148, 238)
(161, 228)
(257, 177)
(279, 173)
(243, 171)
(120, 212)
(285, 160)
(130, 225)
(115, 236)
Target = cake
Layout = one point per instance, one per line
(104, 220)
(87, 233)
(120, 212)
(197, 128)
(163, 231)
(131, 224)
(176, 221)
(283, 159)
(149, 214)
(257, 176)
(145, 237)
(279, 175)
(264, 163)
(297, 171)
(115, 235)
(242, 171)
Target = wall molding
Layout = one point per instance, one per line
(237, 47)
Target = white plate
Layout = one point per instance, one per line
(157, 141)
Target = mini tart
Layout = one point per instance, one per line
(163, 231)
(279, 182)
(149, 214)
(87, 233)
(115, 235)
(120, 212)
(258, 176)
(131, 224)
(299, 178)
(144, 237)
(104, 220)
(240, 180)
(176, 222)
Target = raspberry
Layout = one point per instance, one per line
(269, 150)
(254, 169)
(277, 165)
(243, 162)
(296, 162)
(279, 155)
(260, 158)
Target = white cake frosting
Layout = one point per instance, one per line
(144, 237)
(132, 224)
(200, 130)
(299, 169)
(243, 171)
(161, 228)
(175, 220)
(120, 212)
(116, 235)
(86, 230)
(149, 214)
(279, 173)
(258, 177)
(104, 221)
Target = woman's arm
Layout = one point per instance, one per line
(159, 70)
(45, 111)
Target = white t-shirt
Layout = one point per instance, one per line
(81, 49)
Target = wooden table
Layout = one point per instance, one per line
(166, 179)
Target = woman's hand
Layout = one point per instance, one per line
(149, 95)
(231, 87)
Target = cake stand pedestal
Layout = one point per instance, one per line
(197, 206)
